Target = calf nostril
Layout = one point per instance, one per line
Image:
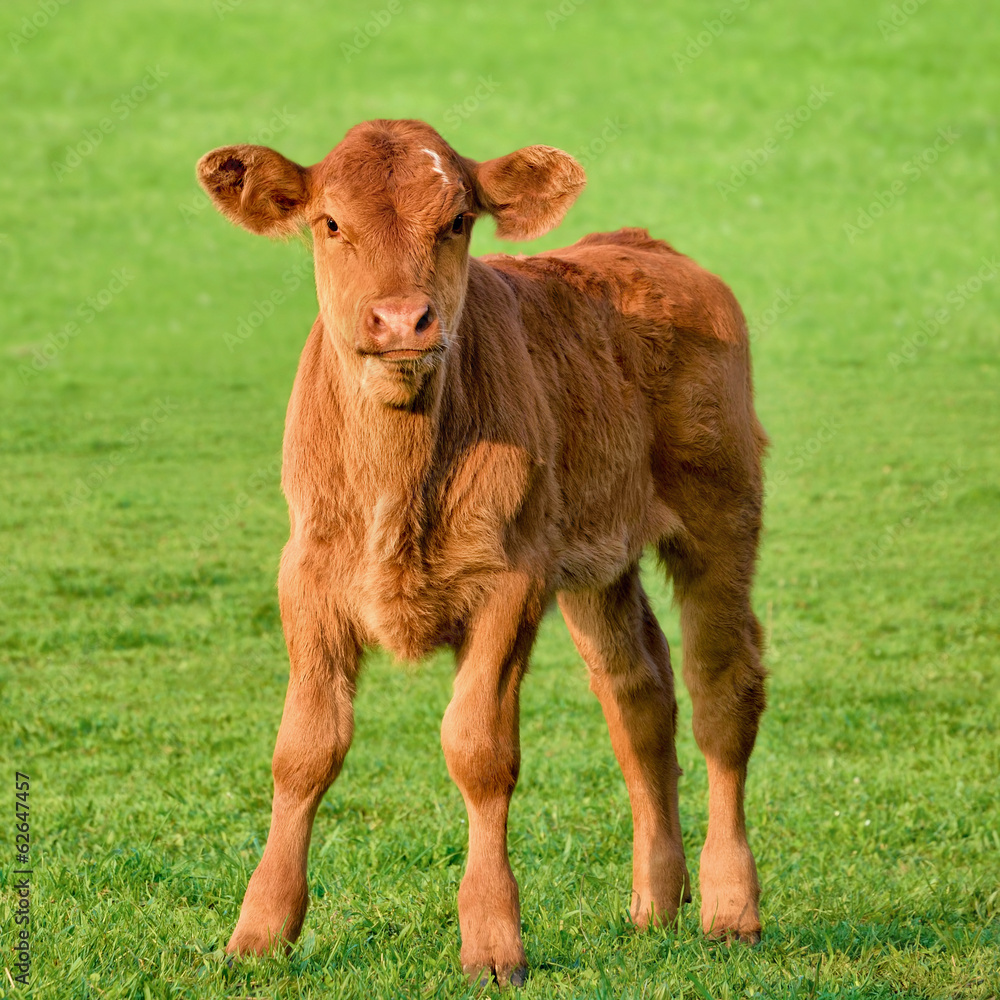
(424, 321)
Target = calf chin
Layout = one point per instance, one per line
(399, 384)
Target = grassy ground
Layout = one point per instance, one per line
(838, 171)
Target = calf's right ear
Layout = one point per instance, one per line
(256, 187)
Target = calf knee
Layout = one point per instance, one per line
(723, 672)
(644, 683)
(482, 762)
(720, 646)
(306, 763)
(726, 717)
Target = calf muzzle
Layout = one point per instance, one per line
(401, 329)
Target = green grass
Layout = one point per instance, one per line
(141, 519)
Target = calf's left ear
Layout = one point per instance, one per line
(529, 191)
(256, 187)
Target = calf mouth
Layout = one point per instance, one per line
(405, 358)
(404, 354)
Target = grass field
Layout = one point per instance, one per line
(836, 164)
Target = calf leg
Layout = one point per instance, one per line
(723, 672)
(619, 638)
(313, 739)
(479, 735)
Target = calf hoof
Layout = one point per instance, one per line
(263, 934)
(482, 976)
(491, 931)
(501, 958)
(478, 977)
(271, 916)
(729, 895)
(731, 916)
(659, 907)
(248, 942)
(743, 931)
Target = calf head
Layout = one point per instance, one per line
(391, 210)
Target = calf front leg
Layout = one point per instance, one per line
(314, 736)
(479, 735)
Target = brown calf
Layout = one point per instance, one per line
(469, 438)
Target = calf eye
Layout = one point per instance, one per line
(458, 226)
(331, 224)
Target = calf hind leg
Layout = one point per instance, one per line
(723, 673)
(619, 638)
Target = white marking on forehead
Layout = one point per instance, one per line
(437, 168)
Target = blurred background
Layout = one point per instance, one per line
(836, 164)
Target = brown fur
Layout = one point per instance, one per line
(469, 438)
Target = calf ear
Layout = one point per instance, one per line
(528, 192)
(256, 187)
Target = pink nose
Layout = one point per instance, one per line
(403, 324)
